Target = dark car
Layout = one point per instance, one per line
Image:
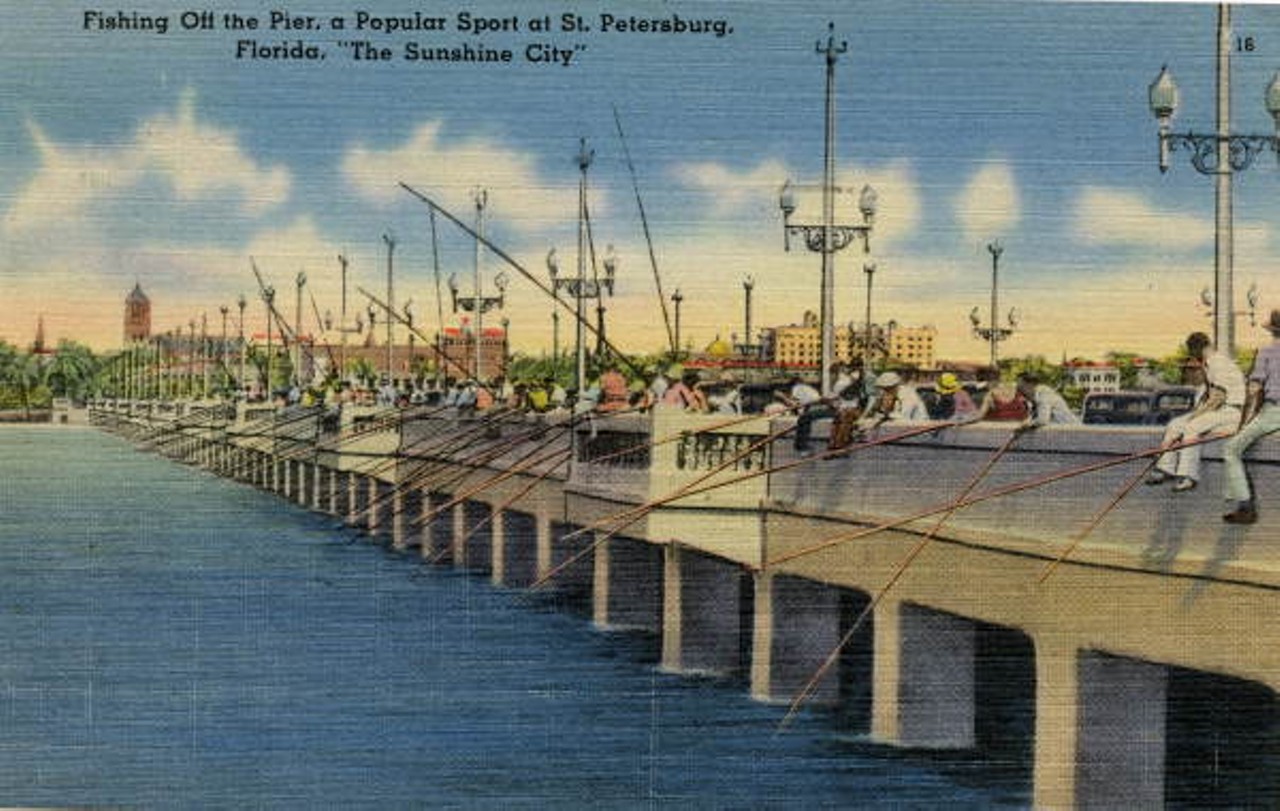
(1155, 407)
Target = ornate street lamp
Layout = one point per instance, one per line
(1219, 154)
(993, 333)
(241, 303)
(827, 237)
(269, 298)
(300, 281)
(390, 241)
(581, 288)
(479, 305)
(677, 299)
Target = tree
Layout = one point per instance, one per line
(71, 371)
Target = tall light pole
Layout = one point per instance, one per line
(242, 303)
(408, 319)
(390, 240)
(204, 354)
(1219, 154)
(481, 198)
(580, 287)
(222, 351)
(869, 268)
(993, 333)
(300, 281)
(828, 237)
(269, 298)
(677, 299)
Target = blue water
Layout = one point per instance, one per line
(170, 639)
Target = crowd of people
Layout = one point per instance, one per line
(1229, 403)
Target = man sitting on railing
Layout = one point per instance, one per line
(1218, 411)
(1261, 417)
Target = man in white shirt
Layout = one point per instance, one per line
(1218, 411)
(1047, 405)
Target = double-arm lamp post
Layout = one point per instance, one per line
(580, 288)
(993, 333)
(479, 304)
(1220, 154)
(827, 237)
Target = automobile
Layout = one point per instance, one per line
(1153, 407)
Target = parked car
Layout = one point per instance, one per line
(1155, 407)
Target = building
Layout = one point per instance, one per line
(458, 346)
(137, 316)
(800, 344)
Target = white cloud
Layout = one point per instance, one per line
(751, 196)
(449, 172)
(1115, 217)
(197, 161)
(988, 206)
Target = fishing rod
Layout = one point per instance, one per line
(648, 239)
(498, 509)
(466, 373)
(1097, 519)
(827, 454)
(424, 474)
(520, 466)
(538, 283)
(1010, 489)
(630, 516)
(811, 686)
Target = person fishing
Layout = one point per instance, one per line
(1218, 411)
(1261, 417)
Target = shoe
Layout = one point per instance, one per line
(1184, 484)
(1244, 513)
(1156, 477)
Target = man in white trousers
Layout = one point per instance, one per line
(1217, 412)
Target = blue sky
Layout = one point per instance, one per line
(136, 156)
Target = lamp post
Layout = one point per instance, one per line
(869, 269)
(300, 281)
(993, 333)
(222, 351)
(827, 237)
(390, 240)
(241, 303)
(343, 328)
(506, 344)
(747, 348)
(1220, 154)
(269, 298)
(677, 299)
(478, 304)
(581, 288)
(204, 355)
(555, 336)
(408, 319)
(191, 360)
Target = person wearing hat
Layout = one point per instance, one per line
(1217, 411)
(952, 402)
(895, 400)
(1261, 417)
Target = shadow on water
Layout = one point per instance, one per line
(1223, 746)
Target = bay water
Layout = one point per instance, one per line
(170, 639)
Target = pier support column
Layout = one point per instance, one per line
(353, 498)
(518, 541)
(406, 515)
(318, 472)
(923, 691)
(542, 542)
(797, 626)
(627, 585)
(498, 546)
(703, 607)
(1100, 730)
(457, 541)
(373, 504)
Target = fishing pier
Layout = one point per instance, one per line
(929, 579)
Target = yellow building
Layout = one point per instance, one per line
(800, 344)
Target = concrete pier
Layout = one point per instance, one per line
(705, 604)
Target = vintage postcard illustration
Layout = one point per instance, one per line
(639, 404)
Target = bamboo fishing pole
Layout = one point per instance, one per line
(811, 686)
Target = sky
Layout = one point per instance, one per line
(161, 159)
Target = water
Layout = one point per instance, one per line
(169, 639)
